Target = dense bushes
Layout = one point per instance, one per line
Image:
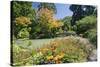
(85, 24)
(87, 27)
(92, 35)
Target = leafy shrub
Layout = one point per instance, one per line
(23, 33)
(92, 35)
(85, 24)
(86, 27)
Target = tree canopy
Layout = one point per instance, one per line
(80, 11)
(50, 6)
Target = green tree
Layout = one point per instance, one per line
(85, 24)
(92, 35)
(80, 11)
(22, 8)
(67, 24)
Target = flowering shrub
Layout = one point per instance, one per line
(65, 50)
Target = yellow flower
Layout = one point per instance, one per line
(60, 56)
(49, 57)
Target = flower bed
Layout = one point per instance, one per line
(67, 50)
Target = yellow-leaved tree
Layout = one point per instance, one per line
(47, 21)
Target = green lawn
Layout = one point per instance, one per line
(36, 43)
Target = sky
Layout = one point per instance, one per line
(62, 10)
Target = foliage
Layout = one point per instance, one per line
(87, 27)
(21, 56)
(23, 21)
(46, 22)
(22, 15)
(46, 18)
(85, 24)
(50, 6)
(21, 27)
(41, 18)
(67, 24)
(23, 33)
(67, 50)
(81, 11)
(21, 8)
(64, 51)
(29, 24)
(92, 35)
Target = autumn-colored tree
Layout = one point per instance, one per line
(46, 21)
